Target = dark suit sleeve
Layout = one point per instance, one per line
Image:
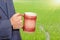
(5, 29)
(10, 8)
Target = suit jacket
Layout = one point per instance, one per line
(6, 31)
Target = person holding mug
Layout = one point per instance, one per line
(10, 22)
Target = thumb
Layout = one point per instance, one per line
(17, 14)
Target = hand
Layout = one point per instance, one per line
(16, 21)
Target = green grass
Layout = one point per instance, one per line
(47, 16)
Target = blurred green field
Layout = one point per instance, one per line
(47, 16)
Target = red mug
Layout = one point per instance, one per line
(29, 24)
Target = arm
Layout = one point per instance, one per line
(5, 29)
(5, 25)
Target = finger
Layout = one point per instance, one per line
(17, 17)
(20, 17)
(18, 20)
(17, 14)
(20, 24)
(20, 14)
